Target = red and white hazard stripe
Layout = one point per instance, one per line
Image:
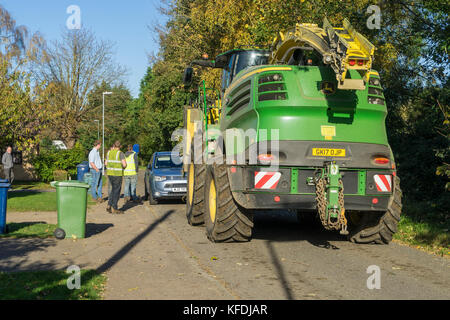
(267, 180)
(383, 182)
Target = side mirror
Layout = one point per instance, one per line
(187, 77)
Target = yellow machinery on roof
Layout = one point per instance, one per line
(343, 49)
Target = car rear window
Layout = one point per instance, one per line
(166, 162)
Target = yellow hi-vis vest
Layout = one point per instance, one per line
(114, 167)
(130, 170)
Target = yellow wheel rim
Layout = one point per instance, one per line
(191, 183)
(212, 201)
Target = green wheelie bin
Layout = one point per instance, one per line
(71, 198)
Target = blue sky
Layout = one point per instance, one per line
(129, 24)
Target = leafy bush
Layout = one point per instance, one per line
(50, 160)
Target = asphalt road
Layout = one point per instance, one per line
(287, 260)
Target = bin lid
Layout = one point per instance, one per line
(83, 165)
(5, 185)
(70, 183)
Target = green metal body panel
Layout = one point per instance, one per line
(305, 110)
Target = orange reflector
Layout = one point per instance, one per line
(381, 160)
(266, 157)
(277, 199)
(233, 170)
(374, 200)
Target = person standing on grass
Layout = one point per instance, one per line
(96, 165)
(130, 175)
(115, 163)
(8, 165)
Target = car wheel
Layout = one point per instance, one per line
(152, 200)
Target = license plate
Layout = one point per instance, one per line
(179, 189)
(327, 152)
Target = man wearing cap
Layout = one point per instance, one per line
(95, 165)
(115, 163)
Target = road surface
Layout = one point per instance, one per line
(151, 252)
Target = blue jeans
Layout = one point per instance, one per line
(96, 185)
(130, 186)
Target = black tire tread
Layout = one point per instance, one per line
(380, 228)
(233, 223)
(195, 212)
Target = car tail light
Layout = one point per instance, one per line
(360, 62)
(352, 62)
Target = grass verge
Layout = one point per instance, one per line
(31, 185)
(34, 202)
(50, 285)
(425, 225)
(29, 229)
(428, 236)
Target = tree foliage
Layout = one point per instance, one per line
(24, 108)
(74, 66)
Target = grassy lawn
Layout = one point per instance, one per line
(429, 236)
(34, 202)
(31, 201)
(30, 229)
(50, 285)
(31, 185)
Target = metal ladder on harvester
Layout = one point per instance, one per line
(343, 49)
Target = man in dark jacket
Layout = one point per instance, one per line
(8, 165)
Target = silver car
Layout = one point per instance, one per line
(164, 178)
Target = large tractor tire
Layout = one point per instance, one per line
(379, 228)
(225, 220)
(195, 194)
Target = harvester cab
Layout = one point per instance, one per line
(308, 117)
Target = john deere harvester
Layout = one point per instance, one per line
(300, 126)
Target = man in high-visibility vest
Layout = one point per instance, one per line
(130, 175)
(115, 164)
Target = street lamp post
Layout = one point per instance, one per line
(103, 124)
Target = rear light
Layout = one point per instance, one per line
(374, 200)
(352, 62)
(381, 160)
(266, 158)
(277, 199)
(360, 62)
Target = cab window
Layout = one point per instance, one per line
(247, 59)
(226, 76)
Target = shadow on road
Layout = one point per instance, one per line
(93, 229)
(280, 271)
(278, 226)
(130, 245)
(14, 254)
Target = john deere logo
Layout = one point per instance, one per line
(328, 87)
